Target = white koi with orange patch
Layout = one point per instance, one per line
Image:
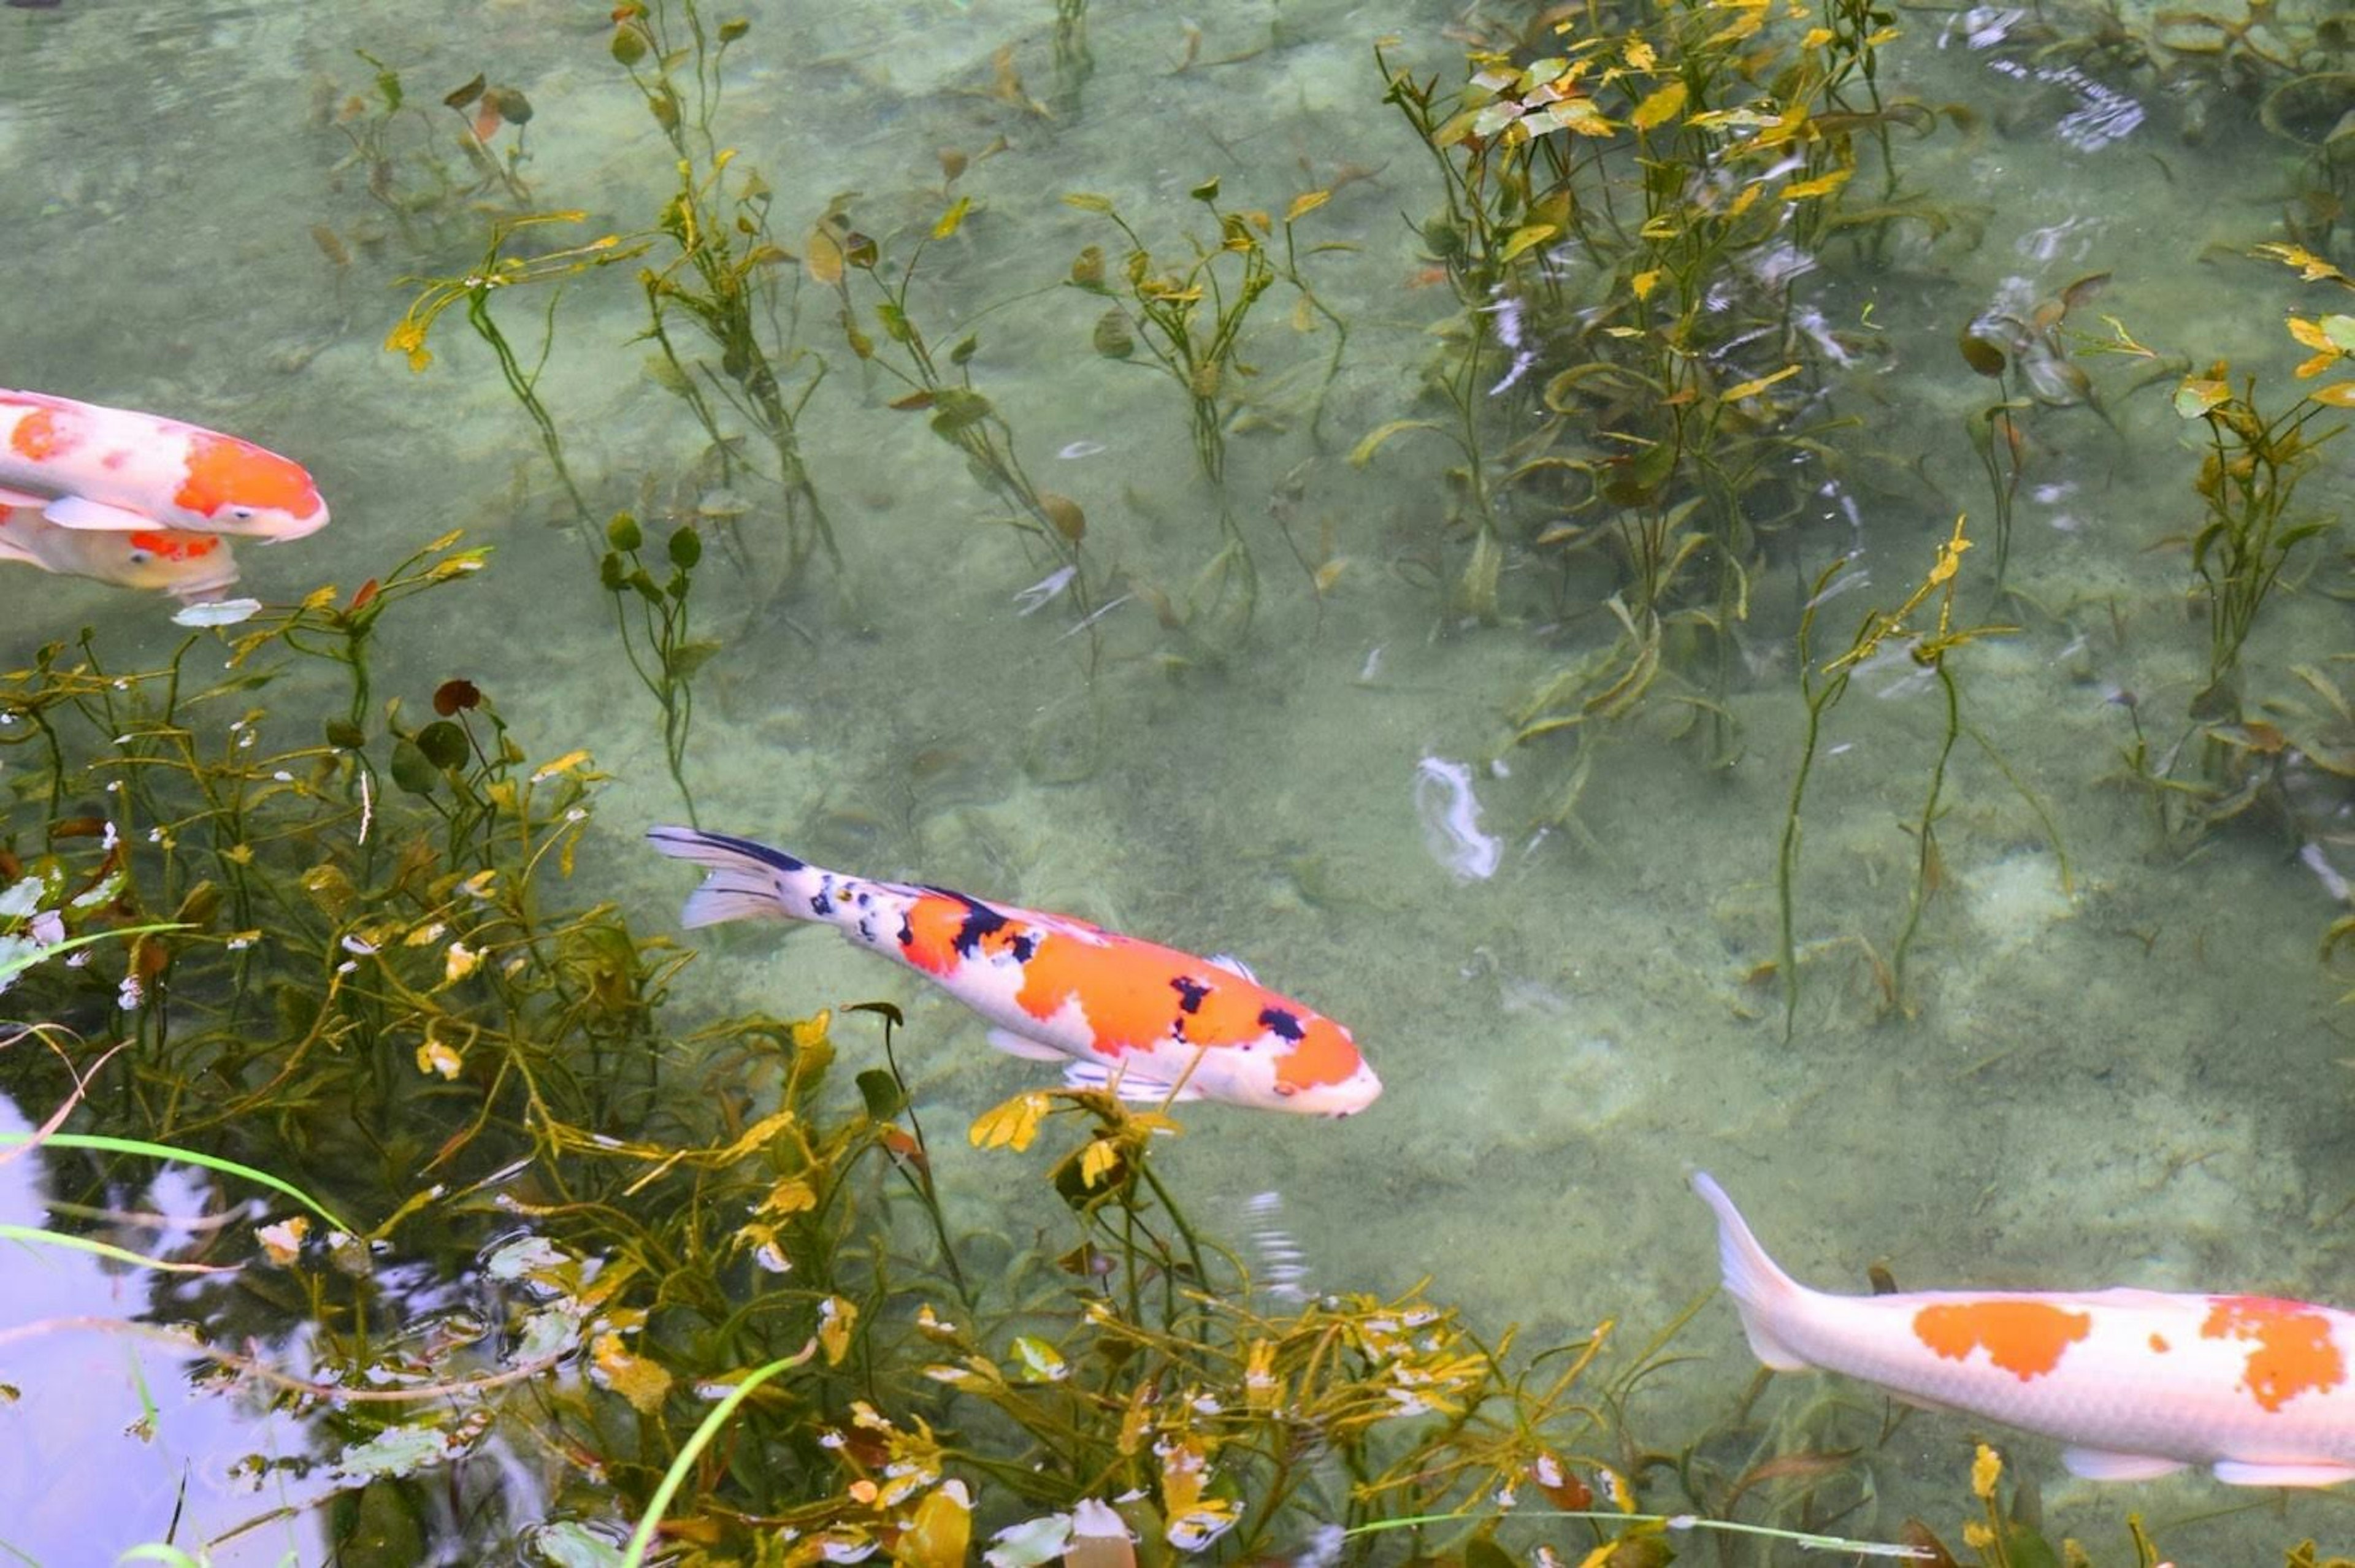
(190, 567)
(2135, 1384)
(113, 470)
(1141, 1017)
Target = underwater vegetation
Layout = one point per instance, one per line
(345, 935)
(320, 951)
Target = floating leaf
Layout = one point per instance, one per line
(950, 221)
(1086, 202)
(1304, 204)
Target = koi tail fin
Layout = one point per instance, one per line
(744, 880)
(1760, 1290)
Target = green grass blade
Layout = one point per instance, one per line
(105, 1250)
(642, 1541)
(190, 1157)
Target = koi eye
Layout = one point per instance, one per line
(242, 514)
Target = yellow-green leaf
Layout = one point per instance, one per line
(1012, 1124)
(942, 1531)
(1086, 202)
(1524, 237)
(1363, 453)
(1306, 203)
(2337, 395)
(2197, 396)
(1751, 389)
(948, 222)
(1659, 106)
(1823, 185)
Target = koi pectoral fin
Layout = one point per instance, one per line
(2096, 1465)
(9, 497)
(1023, 1046)
(2244, 1473)
(1129, 1086)
(77, 512)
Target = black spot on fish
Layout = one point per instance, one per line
(1190, 993)
(821, 906)
(1282, 1023)
(980, 922)
(1022, 947)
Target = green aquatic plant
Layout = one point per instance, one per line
(2248, 481)
(653, 618)
(477, 287)
(1074, 62)
(1189, 315)
(1625, 223)
(1820, 691)
(724, 271)
(940, 383)
(398, 145)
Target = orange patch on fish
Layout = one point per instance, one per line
(2025, 1338)
(224, 471)
(176, 544)
(1324, 1055)
(2295, 1353)
(37, 437)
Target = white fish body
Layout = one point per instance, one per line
(191, 567)
(2134, 1383)
(115, 470)
(1149, 1020)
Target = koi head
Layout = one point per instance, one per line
(1342, 1097)
(188, 565)
(1305, 1064)
(236, 487)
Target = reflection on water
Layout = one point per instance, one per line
(2133, 1079)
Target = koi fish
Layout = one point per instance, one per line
(113, 470)
(2133, 1383)
(1143, 1019)
(191, 567)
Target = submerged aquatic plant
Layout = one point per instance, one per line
(2248, 481)
(1820, 691)
(940, 384)
(476, 288)
(653, 618)
(724, 271)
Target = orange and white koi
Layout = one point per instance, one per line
(190, 567)
(113, 470)
(2134, 1383)
(1144, 1019)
